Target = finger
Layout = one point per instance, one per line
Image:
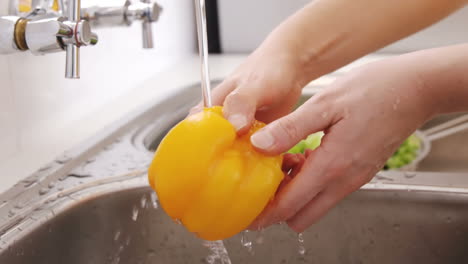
(239, 108)
(285, 106)
(290, 161)
(296, 168)
(291, 165)
(321, 204)
(284, 133)
(282, 207)
(320, 169)
(241, 105)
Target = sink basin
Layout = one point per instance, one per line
(93, 205)
(121, 225)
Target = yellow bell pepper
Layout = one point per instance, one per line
(210, 179)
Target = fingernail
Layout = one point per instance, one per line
(262, 139)
(238, 121)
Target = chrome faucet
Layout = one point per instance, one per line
(44, 30)
(124, 13)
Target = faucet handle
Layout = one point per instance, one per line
(148, 12)
(81, 36)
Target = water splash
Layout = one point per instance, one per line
(301, 249)
(143, 201)
(246, 242)
(135, 213)
(260, 239)
(154, 200)
(218, 252)
(117, 235)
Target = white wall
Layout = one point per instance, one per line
(38, 105)
(259, 17)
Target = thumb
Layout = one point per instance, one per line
(239, 109)
(282, 134)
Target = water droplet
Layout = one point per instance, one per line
(109, 147)
(324, 115)
(51, 184)
(127, 241)
(29, 182)
(79, 175)
(117, 235)
(44, 168)
(43, 191)
(260, 239)
(410, 175)
(301, 249)
(63, 159)
(396, 227)
(135, 213)
(154, 200)
(382, 178)
(246, 242)
(11, 213)
(143, 201)
(178, 221)
(19, 205)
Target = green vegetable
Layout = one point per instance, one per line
(311, 142)
(405, 154)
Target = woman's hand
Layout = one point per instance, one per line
(366, 115)
(263, 87)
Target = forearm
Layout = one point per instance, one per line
(443, 76)
(328, 34)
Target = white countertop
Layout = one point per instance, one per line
(158, 87)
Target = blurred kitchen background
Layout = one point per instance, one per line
(43, 114)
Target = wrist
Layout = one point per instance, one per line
(442, 73)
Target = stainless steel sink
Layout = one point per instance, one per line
(93, 205)
(368, 227)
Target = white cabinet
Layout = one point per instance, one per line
(245, 23)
